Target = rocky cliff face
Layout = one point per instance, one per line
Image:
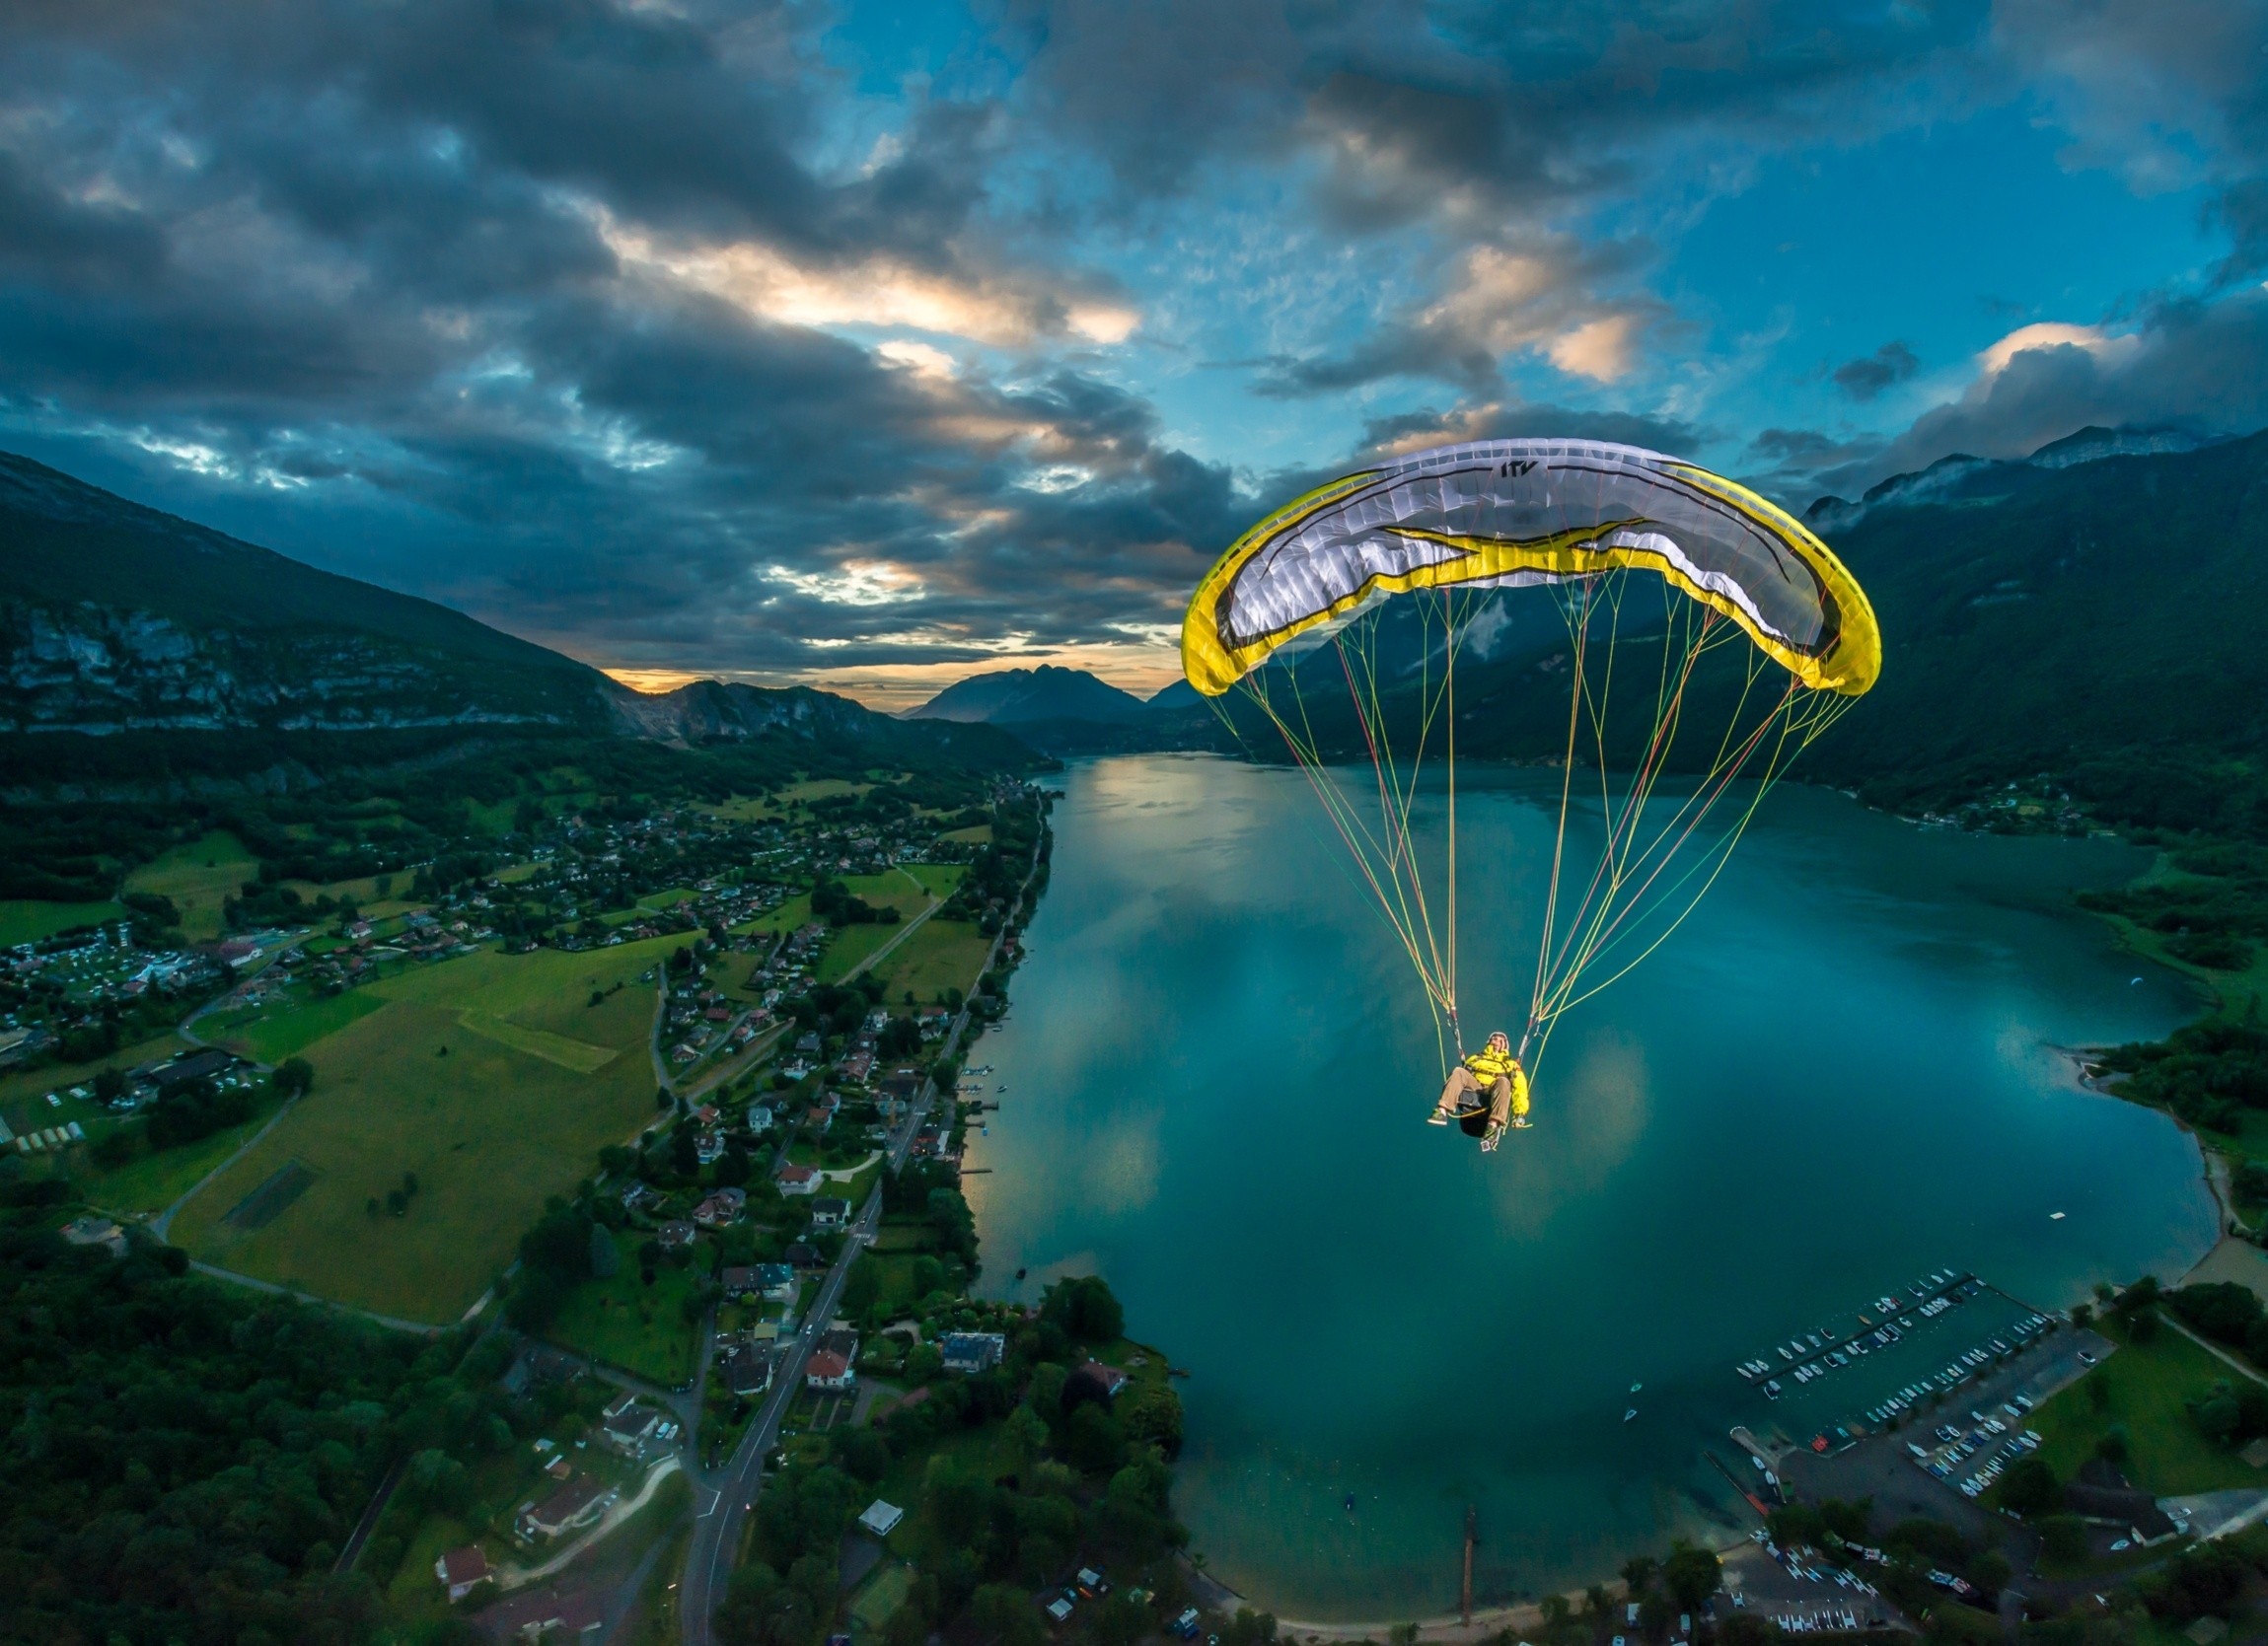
(100, 669)
(115, 617)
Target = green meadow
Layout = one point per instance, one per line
(492, 1079)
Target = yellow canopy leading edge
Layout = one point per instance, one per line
(1517, 513)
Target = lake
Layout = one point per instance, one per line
(1840, 1074)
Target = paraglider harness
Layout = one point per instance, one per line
(1473, 1120)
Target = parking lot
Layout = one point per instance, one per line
(1880, 1467)
(1800, 1597)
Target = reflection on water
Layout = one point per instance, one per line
(1841, 1073)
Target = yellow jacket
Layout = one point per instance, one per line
(1489, 1065)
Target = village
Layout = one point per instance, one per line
(768, 1278)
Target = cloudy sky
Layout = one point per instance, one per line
(872, 344)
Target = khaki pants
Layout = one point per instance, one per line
(1462, 1088)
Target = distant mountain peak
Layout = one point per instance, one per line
(2094, 442)
(2091, 444)
(1011, 697)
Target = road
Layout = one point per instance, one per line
(393, 1322)
(716, 1533)
(368, 1524)
(716, 1528)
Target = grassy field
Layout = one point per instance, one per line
(980, 835)
(150, 1182)
(627, 1324)
(940, 879)
(822, 788)
(414, 1595)
(362, 894)
(896, 889)
(2146, 1386)
(489, 1129)
(850, 948)
(943, 954)
(26, 920)
(877, 1600)
(197, 877)
(785, 919)
(984, 1451)
(280, 1034)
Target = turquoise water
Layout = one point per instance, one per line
(1840, 1074)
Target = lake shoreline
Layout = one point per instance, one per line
(1190, 927)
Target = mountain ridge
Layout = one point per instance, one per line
(1007, 697)
(118, 620)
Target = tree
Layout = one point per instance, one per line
(438, 1481)
(861, 1287)
(1990, 1571)
(560, 1242)
(2031, 1489)
(537, 1297)
(760, 1609)
(2216, 1413)
(1153, 1417)
(1006, 1615)
(1092, 1440)
(294, 1076)
(1638, 1574)
(1025, 1435)
(1086, 1309)
(862, 1452)
(2204, 1578)
(955, 1224)
(1691, 1575)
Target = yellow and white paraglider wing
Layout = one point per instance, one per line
(1498, 514)
(1595, 524)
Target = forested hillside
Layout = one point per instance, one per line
(159, 679)
(185, 1460)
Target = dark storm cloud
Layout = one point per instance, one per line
(2166, 91)
(344, 277)
(405, 286)
(1484, 127)
(2200, 367)
(1495, 104)
(1868, 375)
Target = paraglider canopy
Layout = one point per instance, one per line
(1517, 513)
(1594, 527)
